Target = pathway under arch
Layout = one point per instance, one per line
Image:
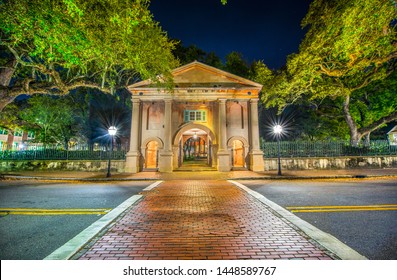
(193, 145)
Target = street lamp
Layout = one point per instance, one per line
(112, 132)
(278, 129)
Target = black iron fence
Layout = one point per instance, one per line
(270, 150)
(326, 149)
(58, 152)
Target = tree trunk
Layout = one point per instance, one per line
(355, 136)
(367, 139)
(6, 73)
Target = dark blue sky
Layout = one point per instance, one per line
(267, 30)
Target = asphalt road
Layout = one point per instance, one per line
(34, 237)
(371, 233)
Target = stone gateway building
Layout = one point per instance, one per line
(210, 118)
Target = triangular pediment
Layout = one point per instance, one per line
(197, 74)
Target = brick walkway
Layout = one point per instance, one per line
(188, 219)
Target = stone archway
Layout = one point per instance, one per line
(150, 149)
(202, 151)
(239, 147)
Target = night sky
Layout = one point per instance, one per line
(267, 30)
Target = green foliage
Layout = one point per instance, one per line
(260, 73)
(349, 45)
(236, 64)
(51, 118)
(188, 54)
(9, 117)
(375, 101)
(191, 53)
(66, 44)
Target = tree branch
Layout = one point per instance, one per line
(378, 123)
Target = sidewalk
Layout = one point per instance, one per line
(201, 220)
(202, 175)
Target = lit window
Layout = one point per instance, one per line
(18, 132)
(195, 115)
(3, 131)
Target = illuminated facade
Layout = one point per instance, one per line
(13, 140)
(210, 117)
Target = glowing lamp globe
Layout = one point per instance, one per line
(112, 130)
(277, 129)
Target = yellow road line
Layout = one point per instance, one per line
(342, 208)
(41, 212)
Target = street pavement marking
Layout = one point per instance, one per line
(330, 242)
(73, 246)
(342, 208)
(42, 212)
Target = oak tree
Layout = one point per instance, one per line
(349, 45)
(53, 47)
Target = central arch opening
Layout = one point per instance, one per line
(195, 149)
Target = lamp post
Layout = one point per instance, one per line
(278, 129)
(112, 132)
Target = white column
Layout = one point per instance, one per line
(167, 125)
(133, 155)
(222, 125)
(166, 157)
(256, 155)
(223, 155)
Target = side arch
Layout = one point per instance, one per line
(239, 148)
(150, 152)
(241, 138)
(157, 139)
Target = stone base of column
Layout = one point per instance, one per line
(256, 161)
(132, 162)
(175, 157)
(165, 162)
(223, 161)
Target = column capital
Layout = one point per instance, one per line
(254, 100)
(167, 100)
(222, 100)
(135, 100)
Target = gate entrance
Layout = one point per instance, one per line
(151, 155)
(238, 154)
(195, 150)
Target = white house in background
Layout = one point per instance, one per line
(13, 140)
(392, 134)
(210, 113)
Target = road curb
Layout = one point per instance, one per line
(39, 178)
(326, 240)
(70, 248)
(313, 177)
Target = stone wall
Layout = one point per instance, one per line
(270, 164)
(76, 165)
(331, 163)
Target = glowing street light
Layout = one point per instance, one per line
(278, 129)
(112, 132)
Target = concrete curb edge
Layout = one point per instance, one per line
(328, 241)
(71, 247)
(20, 177)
